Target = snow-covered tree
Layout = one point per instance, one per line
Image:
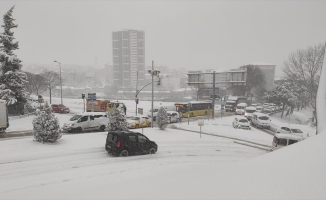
(12, 80)
(52, 79)
(282, 94)
(117, 120)
(304, 67)
(162, 118)
(46, 126)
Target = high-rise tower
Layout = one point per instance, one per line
(128, 57)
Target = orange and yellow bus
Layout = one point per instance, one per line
(194, 108)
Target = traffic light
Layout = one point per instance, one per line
(83, 96)
(159, 82)
(137, 100)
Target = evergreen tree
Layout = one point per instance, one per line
(46, 126)
(117, 120)
(162, 118)
(12, 80)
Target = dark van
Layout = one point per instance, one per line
(125, 143)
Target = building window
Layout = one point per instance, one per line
(126, 43)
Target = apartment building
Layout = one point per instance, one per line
(128, 57)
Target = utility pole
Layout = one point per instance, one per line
(152, 91)
(213, 113)
(136, 92)
(60, 79)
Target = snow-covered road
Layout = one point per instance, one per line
(27, 166)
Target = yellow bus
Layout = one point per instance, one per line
(194, 108)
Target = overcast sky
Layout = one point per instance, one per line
(195, 35)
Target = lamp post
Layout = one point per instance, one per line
(153, 73)
(60, 79)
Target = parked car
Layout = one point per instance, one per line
(173, 116)
(260, 120)
(87, 121)
(293, 131)
(267, 109)
(241, 122)
(138, 122)
(60, 108)
(125, 143)
(284, 139)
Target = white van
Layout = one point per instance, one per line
(260, 120)
(241, 109)
(168, 107)
(173, 116)
(283, 139)
(249, 112)
(87, 121)
(4, 122)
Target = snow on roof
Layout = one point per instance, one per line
(259, 63)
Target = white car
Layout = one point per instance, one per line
(241, 122)
(240, 110)
(87, 121)
(284, 139)
(173, 116)
(260, 120)
(292, 131)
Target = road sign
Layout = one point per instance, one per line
(200, 122)
(140, 111)
(91, 96)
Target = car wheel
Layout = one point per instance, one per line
(192, 115)
(78, 130)
(150, 124)
(205, 113)
(137, 126)
(124, 153)
(102, 128)
(152, 151)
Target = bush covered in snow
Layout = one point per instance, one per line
(162, 118)
(46, 126)
(117, 120)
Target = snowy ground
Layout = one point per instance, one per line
(185, 166)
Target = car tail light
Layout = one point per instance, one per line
(118, 144)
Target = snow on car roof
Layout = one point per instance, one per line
(288, 136)
(92, 113)
(250, 108)
(260, 114)
(241, 117)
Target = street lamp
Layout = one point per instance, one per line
(60, 79)
(153, 73)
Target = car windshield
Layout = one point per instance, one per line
(76, 117)
(243, 120)
(240, 107)
(296, 131)
(263, 118)
(133, 118)
(250, 111)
